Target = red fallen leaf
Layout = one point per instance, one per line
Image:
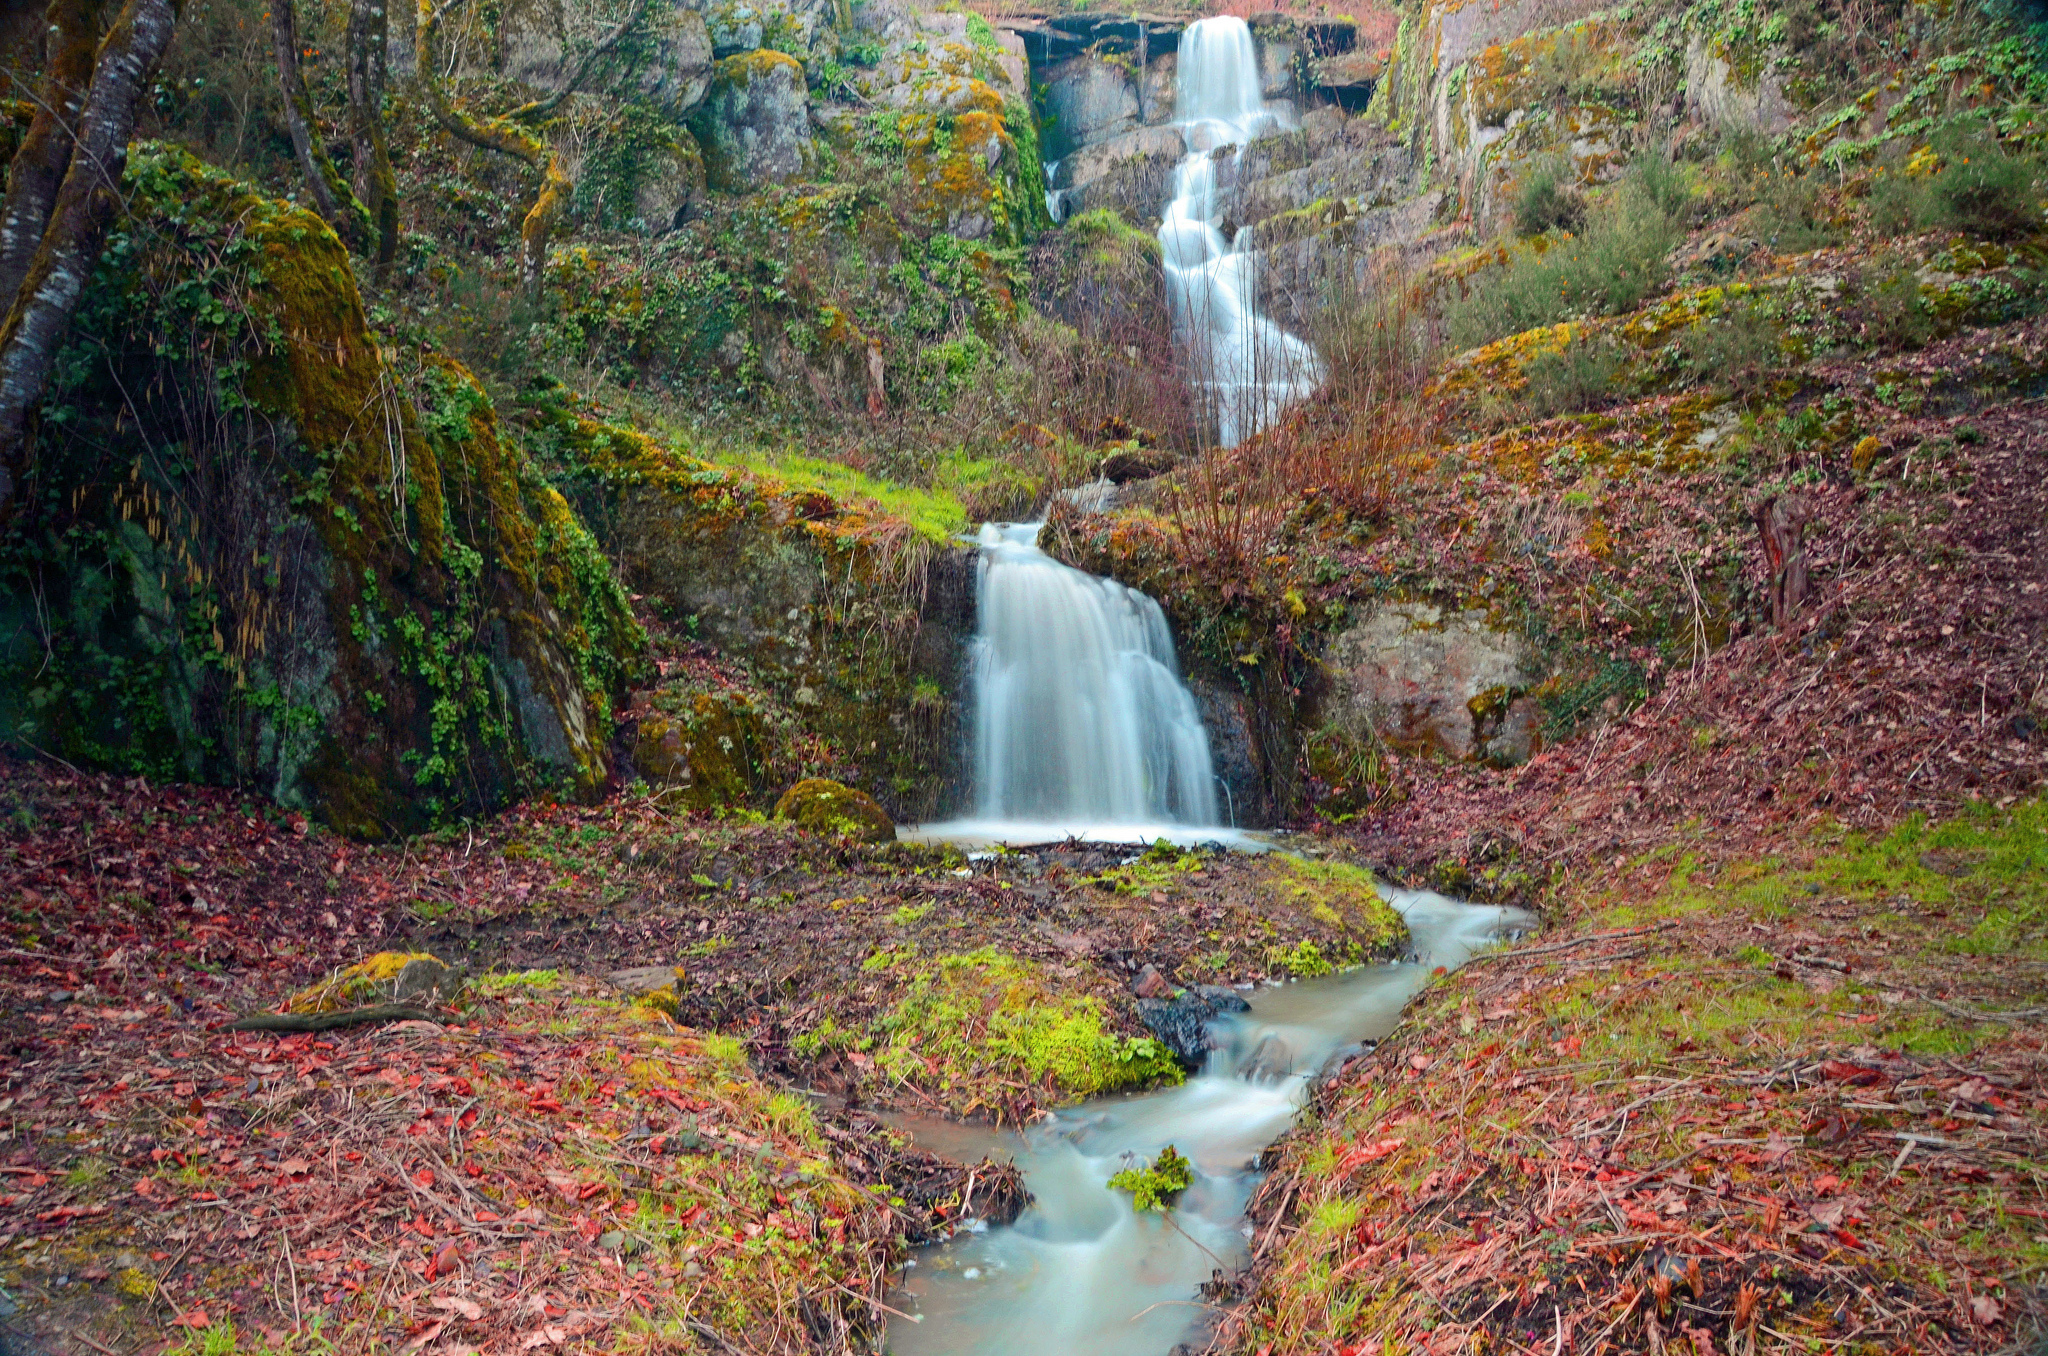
(295, 1167)
(145, 1186)
(589, 1189)
(446, 1262)
(1985, 1310)
(1419, 1062)
(192, 1318)
(1855, 1075)
(469, 1309)
(543, 1104)
(1847, 1239)
(424, 1177)
(486, 1216)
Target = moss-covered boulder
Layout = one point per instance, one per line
(386, 977)
(260, 549)
(824, 806)
(756, 123)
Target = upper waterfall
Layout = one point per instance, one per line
(1248, 367)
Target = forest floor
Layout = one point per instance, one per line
(598, 1143)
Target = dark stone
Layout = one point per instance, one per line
(1222, 999)
(1272, 1059)
(1151, 984)
(1182, 1026)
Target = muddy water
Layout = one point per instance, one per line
(1080, 1273)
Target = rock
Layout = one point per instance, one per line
(1714, 93)
(756, 125)
(824, 806)
(386, 977)
(1221, 999)
(1127, 464)
(734, 28)
(1182, 1026)
(1271, 1060)
(1519, 735)
(1426, 679)
(662, 199)
(1091, 101)
(1151, 984)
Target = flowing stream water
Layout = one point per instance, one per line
(1081, 1273)
(1247, 367)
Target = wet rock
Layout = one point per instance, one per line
(1090, 100)
(1127, 464)
(1181, 1025)
(1222, 999)
(1151, 984)
(1271, 1060)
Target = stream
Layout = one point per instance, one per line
(1081, 1272)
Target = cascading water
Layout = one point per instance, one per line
(1081, 723)
(1081, 1273)
(1248, 367)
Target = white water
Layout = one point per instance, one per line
(1082, 726)
(1247, 367)
(1082, 1274)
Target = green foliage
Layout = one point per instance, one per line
(1608, 268)
(978, 1023)
(1341, 895)
(221, 1339)
(1546, 198)
(937, 515)
(1303, 960)
(1155, 869)
(1738, 344)
(1984, 188)
(1154, 1185)
(1581, 375)
(515, 980)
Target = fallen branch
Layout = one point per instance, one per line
(1570, 945)
(328, 1021)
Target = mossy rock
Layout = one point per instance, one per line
(386, 977)
(824, 806)
(271, 552)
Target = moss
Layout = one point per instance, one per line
(1341, 896)
(824, 806)
(749, 67)
(354, 590)
(974, 1026)
(370, 980)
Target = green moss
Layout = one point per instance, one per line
(935, 514)
(1158, 869)
(979, 1027)
(1338, 895)
(824, 806)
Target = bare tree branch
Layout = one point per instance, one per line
(337, 206)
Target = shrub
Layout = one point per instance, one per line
(1617, 261)
(1895, 314)
(1579, 376)
(1793, 215)
(1982, 189)
(1546, 199)
(1738, 346)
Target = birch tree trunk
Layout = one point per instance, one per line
(41, 307)
(37, 170)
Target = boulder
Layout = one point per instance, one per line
(756, 124)
(1424, 678)
(662, 197)
(1181, 1023)
(824, 806)
(1091, 101)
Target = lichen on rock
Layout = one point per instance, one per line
(825, 806)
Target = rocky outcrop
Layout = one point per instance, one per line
(1421, 678)
(348, 587)
(542, 37)
(756, 124)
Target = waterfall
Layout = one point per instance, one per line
(1247, 367)
(1081, 723)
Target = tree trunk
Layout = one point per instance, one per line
(38, 166)
(42, 307)
(337, 206)
(375, 185)
(1781, 521)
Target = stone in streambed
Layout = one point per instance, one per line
(1181, 1023)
